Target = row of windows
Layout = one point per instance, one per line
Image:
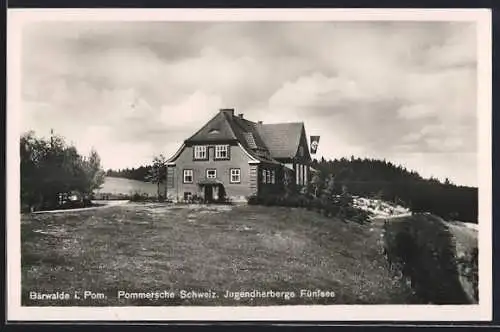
(268, 176)
(201, 152)
(301, 174)
(234, 175)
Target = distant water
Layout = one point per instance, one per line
(113, 185)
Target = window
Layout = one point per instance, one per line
(297, 173)
(263, 178)
(211, 173)
(221, 152)
(213, 131)
(268, 176)
(273, 176)
(235, 175)
(200, 152)
(188, 176)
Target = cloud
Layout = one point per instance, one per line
(383, 89)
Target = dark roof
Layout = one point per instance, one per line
(250, 140)
(247, 128)
(217, 129)
(282, 139)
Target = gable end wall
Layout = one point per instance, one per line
(236, 191)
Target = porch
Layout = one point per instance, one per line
(212, 191)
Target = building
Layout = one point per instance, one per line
(232, 157)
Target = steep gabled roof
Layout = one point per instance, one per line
(217, 129)
(250, 139)
(263, 142)
(247, 132)
(282, 139)
(225, 127)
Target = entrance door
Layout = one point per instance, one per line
(209, 194)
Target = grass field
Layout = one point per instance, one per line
(114, 185)
(154, 247)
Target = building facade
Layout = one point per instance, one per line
(233, 158)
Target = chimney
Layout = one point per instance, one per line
(240, 115)
(229, 111)
(260, 122)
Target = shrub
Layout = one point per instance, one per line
(468, 265)
(340, 206)
(303, 201)
(138, 197)
(316, 204)
(253, 200)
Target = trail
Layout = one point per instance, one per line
(105, 205)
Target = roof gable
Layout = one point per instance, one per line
(304, 154)
(217, 129)
(282, 139)
(265, 142)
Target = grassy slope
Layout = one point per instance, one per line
(153, 247)
(432, 250)
(115, 185)
(465, 240)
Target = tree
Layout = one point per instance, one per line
(316, 183)
(158, 173)
(94, 174)
(329, 187)
(50, 168)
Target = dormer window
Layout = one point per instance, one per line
(222, 152)
(214, 131)
(200, 152)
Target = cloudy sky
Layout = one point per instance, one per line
(403, 91)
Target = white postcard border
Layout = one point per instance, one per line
(16, 18)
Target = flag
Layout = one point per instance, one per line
(314, 144)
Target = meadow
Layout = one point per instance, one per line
(116, 185)
(153, 247)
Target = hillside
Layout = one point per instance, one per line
(390, 182)
(146, 247)
(118, 185)
(139, 173)
(427, 250)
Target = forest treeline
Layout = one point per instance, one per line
(140, 173)
(391, 182)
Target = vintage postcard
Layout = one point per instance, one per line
(227, 164)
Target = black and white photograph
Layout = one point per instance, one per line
(249, 164)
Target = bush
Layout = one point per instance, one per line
(468, 266)
(253, 200)
(334, 207)
(138, 197)
(423, 249)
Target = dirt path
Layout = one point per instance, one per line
(104, 204)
